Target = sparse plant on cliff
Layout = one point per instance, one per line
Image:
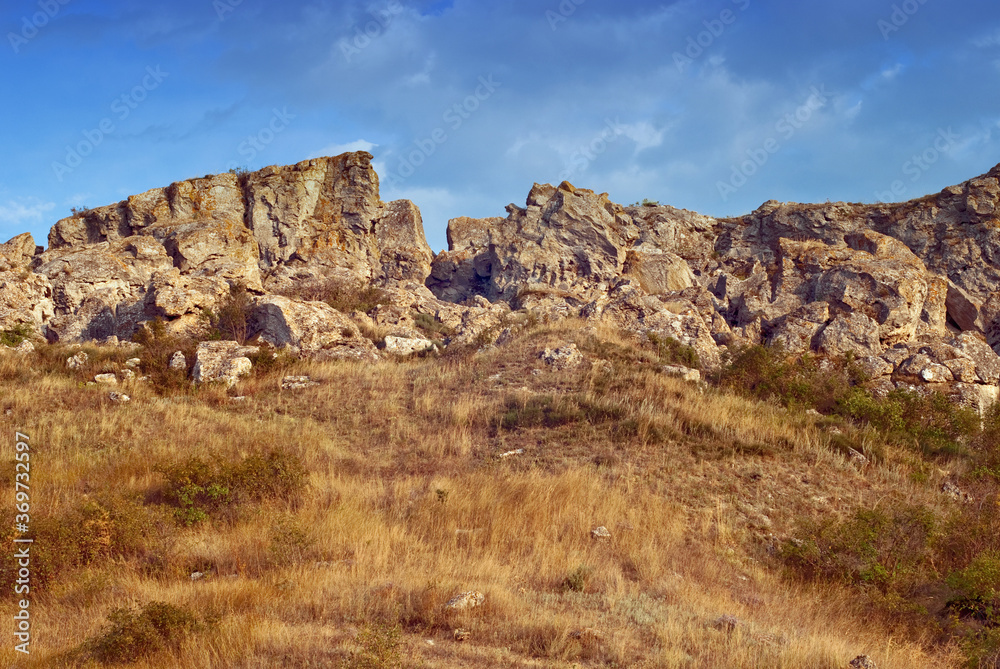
(231, 317)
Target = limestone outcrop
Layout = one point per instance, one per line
(909, 291)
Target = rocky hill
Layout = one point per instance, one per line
(907, 290)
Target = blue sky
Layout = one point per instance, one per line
(710, 105)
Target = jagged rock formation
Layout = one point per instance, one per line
(908, 289)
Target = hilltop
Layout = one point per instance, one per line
(279, 431)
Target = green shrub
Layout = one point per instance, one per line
(979, 585)
(14, 336)
(198, 489)
(672, 352)
(552, 411)
(430, 326)
(133, 635)
(886, 550)
(576, 580)
(379, 648)
(230, 320)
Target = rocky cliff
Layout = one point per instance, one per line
(909, 290)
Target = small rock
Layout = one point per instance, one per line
(564, 357)
(24, 348)
(536, 372)
(685, 373)
(858, 458)
(726, 623)
(178, 361)
(77, 361)
(460, 634)
(107, 379)
(466, 600)
(430, 642)
(128, 374)
(863, 662)
(516, 451)
(132, 363)
(238, 398)
(119, 398)
(297, 382)
(196, 575)
(600, 533)
(956, 493)
(813, 412)
(404, 346)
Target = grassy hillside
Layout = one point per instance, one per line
(332, 524)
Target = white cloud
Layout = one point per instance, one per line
(643, 134)
(891, 73)
(337, 149)
(23, 211)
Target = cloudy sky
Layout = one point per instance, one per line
(711, 105)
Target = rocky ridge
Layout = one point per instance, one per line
(908, 290)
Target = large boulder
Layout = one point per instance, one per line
(224, 361)
(313, 329)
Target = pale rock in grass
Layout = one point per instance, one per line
(107, 379)
(119, 398)
(562, 357)
(600, 532)
(224, 361)
(406, 346)
(132, 363)
(25, 348)
(297, 382)
(684, 373)
(77, 360)
(177, 361)
(863, 662)
(466, 600)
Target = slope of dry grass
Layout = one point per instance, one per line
(407, 502)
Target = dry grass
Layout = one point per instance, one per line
(409, 503)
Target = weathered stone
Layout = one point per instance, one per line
(563, 357)
(315, 329)
(986, 360)
(658, 271)
(178, 361)
(685, 373)
(850, 333)
(874, 366)
(297, 382)
(405, 346)
(795, 333)
(863, 662)
(224, 361)
(119, 398)
(466, 600)
(107, 379)
(77, 360)
(963, 310)
(600, 532)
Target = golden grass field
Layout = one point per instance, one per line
(407, 503)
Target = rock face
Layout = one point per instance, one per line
(909, 290)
